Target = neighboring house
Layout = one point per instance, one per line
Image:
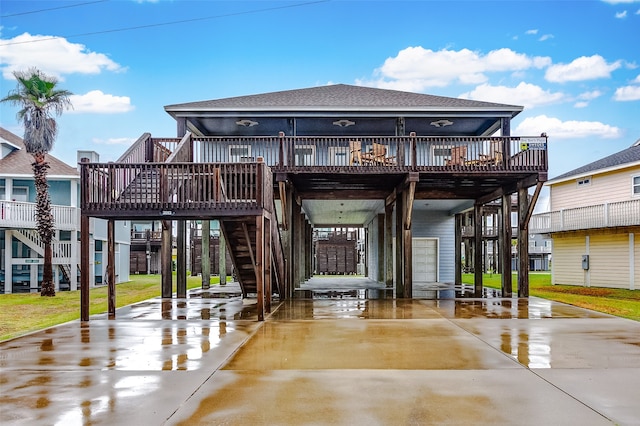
(539, 247)
(21, 251)
(594, 221)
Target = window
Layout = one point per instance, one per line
(585, 181)
(338, 156)
(240, 154)
(635, 185)
(304, 155)
(20, 193)
(441, 153)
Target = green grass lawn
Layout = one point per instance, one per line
(23, 313)
(27, 312)
(619, 302)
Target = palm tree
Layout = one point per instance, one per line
(38, 98)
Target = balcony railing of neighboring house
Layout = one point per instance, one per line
(18, 214)
(487, 231)
(623, 213)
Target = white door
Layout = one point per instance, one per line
(425, 260)
(338, 156)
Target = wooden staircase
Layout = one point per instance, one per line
(240, 236)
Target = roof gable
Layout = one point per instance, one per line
(341, 97)
(19, 161)
(619, 159)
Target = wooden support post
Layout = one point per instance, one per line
(505, 245)
(85, 272)
(388, 245)
(267, 264)
(458, 250)
(400, 260)
(167, 281)
(477, 246)
(111, 268)
(205, 256)
(380, 248)
(523, 243)
(181, 261)
(259, 265)
(222, 257)
(408, 198)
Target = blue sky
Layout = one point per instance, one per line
(573, 65)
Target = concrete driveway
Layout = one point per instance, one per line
(337, 359)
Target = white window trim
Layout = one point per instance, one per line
(633, 185)
(584, 181)
(13, 193)
(440, 160)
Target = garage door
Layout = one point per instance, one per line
(425, 260)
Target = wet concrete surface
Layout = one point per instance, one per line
(338, 359)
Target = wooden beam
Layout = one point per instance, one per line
(258, 262)
(205, 262)
(167, 284)
(390, 199)
(388, 245)
(505, 246)
(477, 251)
(85, 271)
(523, 244)
(181, 260)
(111, 268)
(408, 196)
(458, 249)
(282, 186)
(245, 230)
(532, 205)
(400, 261)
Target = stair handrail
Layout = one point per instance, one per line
(138, 152)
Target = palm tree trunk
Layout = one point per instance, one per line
(44, 222)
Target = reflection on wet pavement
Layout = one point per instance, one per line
(341, 356)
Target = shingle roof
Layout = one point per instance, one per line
(340, 96)
(626, 156)
(19, 161)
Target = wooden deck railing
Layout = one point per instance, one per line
(623, 213)
(402, 153)
(111, 189)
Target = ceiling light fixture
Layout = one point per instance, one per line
(441, 123)
(247, 123)
(344, 123)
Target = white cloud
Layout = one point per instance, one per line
(637, 79)
(417, 68)
(621, 15)
(627, 93)
(526, 94)
(97, 102)
(558, 129)
(581, 104)
(52, 55)
(114, 141)
(531, 32)
(582, 68)
(546, 37)
(620, 1)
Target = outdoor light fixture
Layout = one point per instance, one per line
(441, 123)
(344, 123)
(247, 123)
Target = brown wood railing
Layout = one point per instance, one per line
(112, 189)
(401, 153)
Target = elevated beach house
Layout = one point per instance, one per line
(273, 167)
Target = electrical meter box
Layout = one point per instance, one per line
(585, 261)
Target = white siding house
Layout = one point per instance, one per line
(595, 221)
(21, 252)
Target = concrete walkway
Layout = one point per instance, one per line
(337, 359)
